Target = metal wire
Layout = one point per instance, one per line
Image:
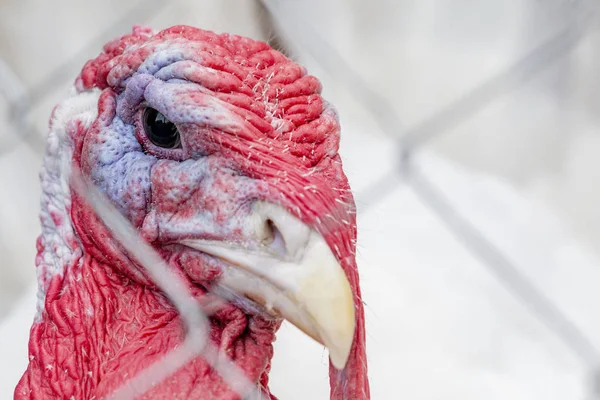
(13, 90)
(197, 341)
(529, 66)
(21, 101)
(11, 86)
(507, 273)
(142, 11)
(334, 63)
(513, 77)
(412, 139)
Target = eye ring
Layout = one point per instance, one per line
(159, 130)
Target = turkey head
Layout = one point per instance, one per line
(223, 156)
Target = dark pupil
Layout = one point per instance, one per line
(160, 130)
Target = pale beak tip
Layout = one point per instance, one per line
(327, 297)
(339, 355)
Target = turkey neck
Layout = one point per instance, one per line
(98, 329)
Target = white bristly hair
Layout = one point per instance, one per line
(57, 231)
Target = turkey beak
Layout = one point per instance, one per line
(290, 271)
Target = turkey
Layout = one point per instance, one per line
(223, 156)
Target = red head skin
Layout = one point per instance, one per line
(254, 128)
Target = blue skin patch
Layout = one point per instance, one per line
(201, 197)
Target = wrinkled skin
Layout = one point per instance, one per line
(254, 128)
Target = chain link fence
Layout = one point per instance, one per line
(291, 30)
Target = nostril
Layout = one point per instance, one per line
(274, 238)
(278, 231)
(269, 231)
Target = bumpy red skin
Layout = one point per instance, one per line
(103, 320)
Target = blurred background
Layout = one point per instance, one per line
(470, 137)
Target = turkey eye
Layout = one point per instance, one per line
(160, 130)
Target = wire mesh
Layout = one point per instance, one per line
(196, 342)
(409, 140)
